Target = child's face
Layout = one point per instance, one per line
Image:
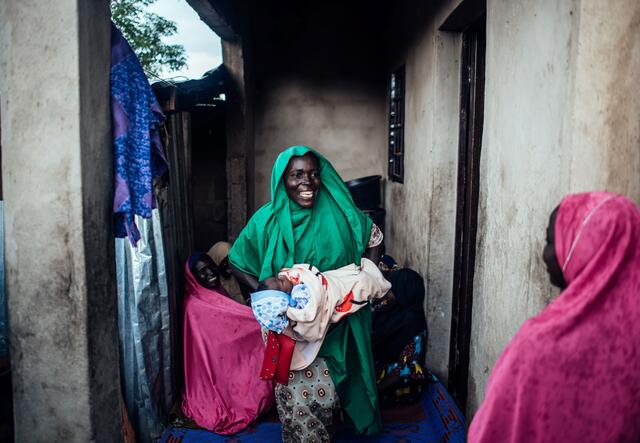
(279, 283)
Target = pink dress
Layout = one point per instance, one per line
(223, 352)
(572, 373)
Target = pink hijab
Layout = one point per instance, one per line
(223, 352)
(572, 373)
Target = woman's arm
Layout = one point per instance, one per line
(374, 253)
(389, 383)
(249, 280)
(376, 241)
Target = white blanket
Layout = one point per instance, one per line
(333, 295)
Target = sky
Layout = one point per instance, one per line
(202, 45)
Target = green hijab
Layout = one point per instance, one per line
(331, 234)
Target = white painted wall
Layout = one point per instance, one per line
(528, 71)
(605, 123)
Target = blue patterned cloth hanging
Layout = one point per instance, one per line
(143, 303)
(138, 153)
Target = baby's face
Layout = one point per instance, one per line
(279, 283)
(285, 284)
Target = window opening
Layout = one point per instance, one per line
(396, 126)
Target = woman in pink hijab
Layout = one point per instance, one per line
(223, 353)
(572, 373)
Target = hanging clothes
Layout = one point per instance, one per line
(138, 154)
(143, 302)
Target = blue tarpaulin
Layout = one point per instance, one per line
(436, 419)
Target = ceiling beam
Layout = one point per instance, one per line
(213, 17)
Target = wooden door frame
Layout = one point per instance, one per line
(470, 142)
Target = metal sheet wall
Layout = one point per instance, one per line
(144, 325)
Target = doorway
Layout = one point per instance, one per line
(470, 141)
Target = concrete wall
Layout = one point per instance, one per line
(239, 134)
(561, 116)
(344, 122)
(421, 212)
(605, 125)
(57, 176)
(528, 72)
(318, 81)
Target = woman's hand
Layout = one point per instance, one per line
(246, 279)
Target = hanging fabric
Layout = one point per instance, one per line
(138, 153)
(143, 304)
(144, 325)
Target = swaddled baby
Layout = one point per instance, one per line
(302, 302)
(274, 296)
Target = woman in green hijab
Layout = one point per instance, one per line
(311, 218)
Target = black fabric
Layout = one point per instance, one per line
(193, 259)
(397, 322)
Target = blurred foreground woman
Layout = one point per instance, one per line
(572, 373)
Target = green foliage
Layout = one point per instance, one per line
(144, 31)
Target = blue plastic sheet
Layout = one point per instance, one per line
(145, 342)
(436, 419)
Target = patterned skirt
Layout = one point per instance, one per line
(308, 406)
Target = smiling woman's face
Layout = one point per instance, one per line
(549, 255)
(206, 272)
(302, 180)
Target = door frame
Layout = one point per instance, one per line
(470, 142)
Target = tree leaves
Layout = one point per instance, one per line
(144, 31)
